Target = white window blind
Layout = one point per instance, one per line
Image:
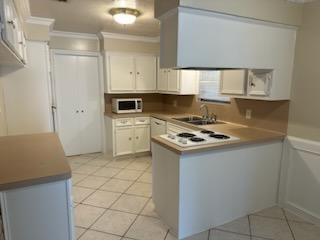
(209, 88)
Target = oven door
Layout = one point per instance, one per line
(127, 106)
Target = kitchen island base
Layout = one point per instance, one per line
(197, 191)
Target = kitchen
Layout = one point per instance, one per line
(148, 114)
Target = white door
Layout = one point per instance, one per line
(123, 140)
(89, 104)
(142, 138)
(77, 91)
(67, 103)
(173, 80)
(121, 73)
(146, 73)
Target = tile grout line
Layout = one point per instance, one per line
(250, 230)
(285, 216)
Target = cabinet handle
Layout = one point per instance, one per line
(82, 111)
(137, 137)
(138, 73)
(157, 123)
(131, 73)
(130, 139)
(77, 111)
(252, 84)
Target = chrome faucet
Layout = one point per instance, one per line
(207, 116)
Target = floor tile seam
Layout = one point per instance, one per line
(285, 216)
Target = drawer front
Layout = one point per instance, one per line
(142, 121)
(121, 122)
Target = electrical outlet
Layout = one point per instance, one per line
(248, 113)
(175, 103)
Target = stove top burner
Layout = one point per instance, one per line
(186, 135)
(197, 139)
(207, 132)
(219, 136)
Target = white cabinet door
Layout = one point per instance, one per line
(121, 75)
(123, 140)
(158, 127)
(173, 81)
(142, 138)
(259, 82)
(89, 104)
(67, 101)
(233, 82)
(162, 79)
(146, 73)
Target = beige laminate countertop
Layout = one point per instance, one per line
(27, 160)
(247, 135)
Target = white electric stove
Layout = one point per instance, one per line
(188, 139)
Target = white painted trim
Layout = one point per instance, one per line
(49, 22)
(303, 213)
(129, 37)
(74, 52)
(73, 35)
(304, 145)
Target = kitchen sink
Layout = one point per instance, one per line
(195, 120)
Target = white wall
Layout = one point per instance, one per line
(300, 186)
(3, 122)
(26, 93)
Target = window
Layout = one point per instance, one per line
(209, 87)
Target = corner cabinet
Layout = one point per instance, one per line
(130, 73)
(178, 82)
(127, 135)
(12, 39)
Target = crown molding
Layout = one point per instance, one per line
(49, 22)
(129, 37)
(74, 35)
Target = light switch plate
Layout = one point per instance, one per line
(248, 113)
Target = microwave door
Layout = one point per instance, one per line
(127, 106)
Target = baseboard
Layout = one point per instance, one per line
(301, 212)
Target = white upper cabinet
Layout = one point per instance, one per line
(191, 38)
(121, 73)
(146, 73)
(130, 73)
(178, 82)
(12, 42)
(251, 84)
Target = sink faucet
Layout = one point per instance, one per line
(207, 116)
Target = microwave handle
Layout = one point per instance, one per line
(139, 105)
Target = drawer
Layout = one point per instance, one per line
(142, 121)
(124, 122)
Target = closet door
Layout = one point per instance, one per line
(89, 102)
(67, 103)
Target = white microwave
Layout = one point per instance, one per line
(126, 105)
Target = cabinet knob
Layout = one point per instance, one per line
(252, 84)
(130, 139)
(131, 72)
(82, 111)
(77, 111)
(138, 73)
(12, 23)
(137, 137)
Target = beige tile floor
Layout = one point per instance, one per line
(113, 202)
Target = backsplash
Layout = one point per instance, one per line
(272, 115)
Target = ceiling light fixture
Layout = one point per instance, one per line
(125, 15)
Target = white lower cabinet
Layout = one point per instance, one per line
(127, 135)
(123, 141)
(142, 138)
(37, 212)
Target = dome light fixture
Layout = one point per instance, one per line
(125, 16)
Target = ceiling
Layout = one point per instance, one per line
(91, 16)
